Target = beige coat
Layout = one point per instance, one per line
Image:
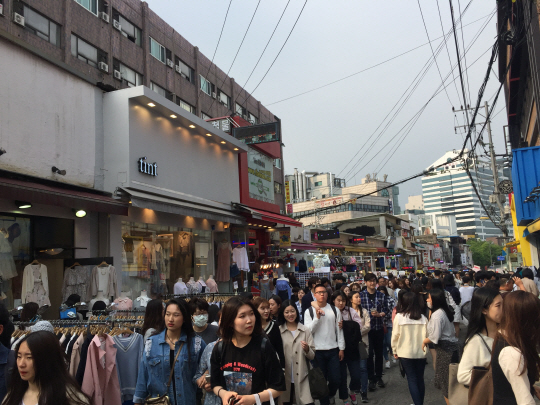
(366, 325)
(295, 362)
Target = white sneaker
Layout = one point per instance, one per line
(387, 364)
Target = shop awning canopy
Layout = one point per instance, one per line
(155, 202)
(48, 192)
(303, 246)
(532, 228)
(329, 246)
(417, 245)
(269, 216)
(361, 249)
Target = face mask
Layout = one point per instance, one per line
(200, 320)
(429, 305)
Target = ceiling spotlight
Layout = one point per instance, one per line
(208, 134)
(58, 171)
(192, 126)
(151, 105)
(23, 205)
(235, 148)
(80, 213)
(2, 151)
(223, 142)
(173, 116)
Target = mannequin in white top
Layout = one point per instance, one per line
(142, 299)
(282, 277)
(99, 297)
(202, 281)
(180, 287)
(191, 279)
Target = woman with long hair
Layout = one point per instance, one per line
(486, 313)
(299, 349)
(442, 334)
(356, 304)
(352, 327)
(515, 362)
(153, 318)
(275, 304)
(41, 376)
(410, 328)
(29, 311)
(244, 365)
(387, 342)
(175, 349)
(438, 284)
(270, 327)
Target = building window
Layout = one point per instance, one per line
(90, 5)
(82, 50)
(129, 30)
(131, 77)
(185, 106)
(241, 111)
(161, 91)
(185, 71)
(278, 188)
(224, 99)
(251, 118)
(207, 86)
(318, 183)
(205, 116)
(41, 26)
(157, 50)
(277, 163)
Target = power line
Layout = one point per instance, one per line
(464, 56)
(217, 45)
(274, 61)
(237, 52)
(370, 67)
(446, 46)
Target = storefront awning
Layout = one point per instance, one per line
(60, 195)
(361, 249)
(269, 216)
(512, 244)
(303, 246)
(329, 246)
(382, 250)
(533, 227)
(173, 206)
(417, 245)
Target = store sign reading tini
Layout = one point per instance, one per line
(147, 168)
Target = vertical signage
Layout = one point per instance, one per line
(285, 238)
(261, 176)
(287, 192)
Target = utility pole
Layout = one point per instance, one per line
(494, 168)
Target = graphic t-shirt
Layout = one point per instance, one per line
(247, 370)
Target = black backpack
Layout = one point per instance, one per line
(310, 309)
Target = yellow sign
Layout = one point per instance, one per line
(285, 238)
(287, 192)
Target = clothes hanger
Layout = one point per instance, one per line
(74, 265)
(35, 262)
(103, 264)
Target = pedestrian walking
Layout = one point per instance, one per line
(153, 318)
(270, 327)
(387, 343)
(410, 330)
(275, 304)
(299, 349)
(310, 296)
(323, 322)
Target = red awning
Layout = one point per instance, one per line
(329, 245)
(382, 250)
(303, 246)
(271, 217)
(61, 196)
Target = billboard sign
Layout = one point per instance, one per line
(258, 133)
(261, 176)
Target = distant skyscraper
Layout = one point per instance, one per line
(448, 191)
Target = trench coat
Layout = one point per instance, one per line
(295, 362)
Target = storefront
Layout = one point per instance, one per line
(179, 175)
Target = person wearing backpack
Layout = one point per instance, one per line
(323, 320)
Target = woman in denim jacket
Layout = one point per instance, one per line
(159, 354)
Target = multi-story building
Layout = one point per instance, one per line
(449, 191)
(306, 186)
(414, 205)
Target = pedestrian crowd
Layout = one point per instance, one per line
(328, 341)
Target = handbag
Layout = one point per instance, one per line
(481, 385)
(317, 383)
(458, 394)
(164, 399)
(401, 369)
(363, 350)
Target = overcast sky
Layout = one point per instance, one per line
(324, 129)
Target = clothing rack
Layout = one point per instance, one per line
(65, 322)
(200, 295)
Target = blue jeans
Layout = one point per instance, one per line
(354, 371)
(363, 375)
(414, 369)
(387, 343)
(328, 362)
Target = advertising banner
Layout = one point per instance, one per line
(287, 192)
(285, 239)
(328, 202)
(261, 176)
(425, 257)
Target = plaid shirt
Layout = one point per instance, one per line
(380, 302)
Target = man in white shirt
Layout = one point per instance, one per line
(323, 321)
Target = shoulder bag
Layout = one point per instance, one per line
(317, 383)
(481, 386)
(458, 394)
(164, 399)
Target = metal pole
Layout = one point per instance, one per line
(494, 166)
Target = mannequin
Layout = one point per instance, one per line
(202, 284)
(123, 302)
(282, 277)
(194, 287)
(211, 285)
(266, 287)
(180, 287)
(142, 300)
(283, 288)
(99, 297)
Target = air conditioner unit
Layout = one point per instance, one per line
(117, 74)
(104, 16)
(18, 19)
(103, 66)
(1, 9)
(213, 95)
(170, 63)
(178, 69)
(117, 25)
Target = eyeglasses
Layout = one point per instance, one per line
(321, 292)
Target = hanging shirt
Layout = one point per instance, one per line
(240, 257)
(180, 288)
(128, 357)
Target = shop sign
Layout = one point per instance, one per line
(514, 249)
(285, 238)
(307, 236)
(391, 206)
(405, 225)
(358, 239)
(405, 233)
(289, 208)
(147, 168)
(323, 235)
(260, 176)
(328, 202)
(252, 234)
(425, 258)
(437, 253)
(258, 133)
(223, 124)
(463, 259)
(288, 193)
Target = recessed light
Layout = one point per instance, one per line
(173, 116)
(151, 105)
(80, 213)
(235, 148)
(23, 205)
(223, 142)
(192, 126)
(208, 134)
